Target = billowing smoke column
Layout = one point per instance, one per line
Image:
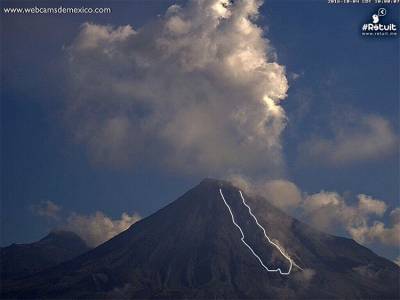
(197, 89)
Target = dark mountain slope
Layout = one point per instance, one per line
(20, 260)
(191, 249)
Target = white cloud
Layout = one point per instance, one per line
(322, 199)
(94, 229)
(197, 90)
(379, 232)
(327, 210)
(395, 215)
(397, 261)
(361, 138)
(46, 209)
(98, 228)
(369, 205)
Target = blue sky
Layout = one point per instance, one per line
(341, 70)
(332, 70)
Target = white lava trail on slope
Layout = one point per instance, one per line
(265, 234)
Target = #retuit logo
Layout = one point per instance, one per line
(377, 27)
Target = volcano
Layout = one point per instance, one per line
(21, 260)
(215, 242)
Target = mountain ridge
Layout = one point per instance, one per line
(20, 260)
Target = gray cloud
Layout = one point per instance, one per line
(379, 232)
(368, 205)
(94, 229)
(355, 139)
(46, 209)
(97, 228)
(367, 271)
(304, 277)
(329, 210)
(281, 193)
(197, 90)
